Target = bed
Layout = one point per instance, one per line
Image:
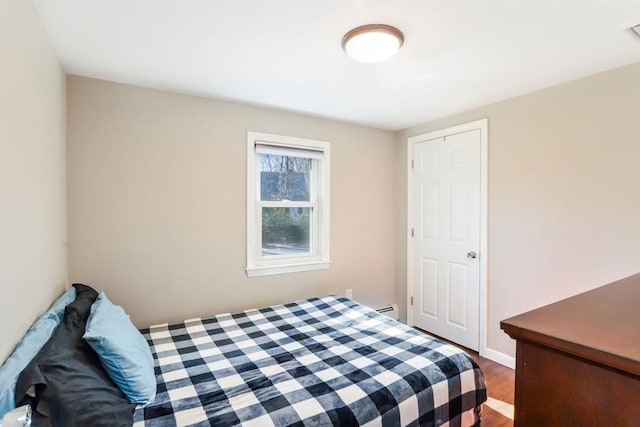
(325, 361)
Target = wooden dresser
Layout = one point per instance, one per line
(578, 360)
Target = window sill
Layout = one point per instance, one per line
(286, 268)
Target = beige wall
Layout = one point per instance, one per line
(33, 263)
(157, 186)
(157, 190)
(564, 193)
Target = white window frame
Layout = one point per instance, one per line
(318, 258)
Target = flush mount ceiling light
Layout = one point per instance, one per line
(373, 42)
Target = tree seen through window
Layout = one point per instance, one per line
(285, 229)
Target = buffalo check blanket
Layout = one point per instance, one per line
(319, 362)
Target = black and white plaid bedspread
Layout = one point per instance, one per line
(318, 362)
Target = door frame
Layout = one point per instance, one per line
(482, 125)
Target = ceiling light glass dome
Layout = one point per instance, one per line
(372, 43)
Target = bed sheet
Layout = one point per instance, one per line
(323, 361)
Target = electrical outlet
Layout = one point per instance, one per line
(350, 293)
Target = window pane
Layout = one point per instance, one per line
(285, 231)
(284, 177)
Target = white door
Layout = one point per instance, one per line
(446, 242)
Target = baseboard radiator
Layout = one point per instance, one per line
(390, 310)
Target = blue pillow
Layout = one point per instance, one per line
(72, 387)
(122, 349)
(28, 347)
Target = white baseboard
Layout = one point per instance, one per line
(499, 357)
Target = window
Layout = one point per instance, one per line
(287, 204)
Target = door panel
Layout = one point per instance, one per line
(429, 294)
(446, 185)
(458, 210)
(457, 294)
(430, 217)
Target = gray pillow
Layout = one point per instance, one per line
(71, 386)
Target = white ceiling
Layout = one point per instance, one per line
(458, 54)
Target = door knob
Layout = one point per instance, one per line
(472, 255)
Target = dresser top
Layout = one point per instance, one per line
(602, 325)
